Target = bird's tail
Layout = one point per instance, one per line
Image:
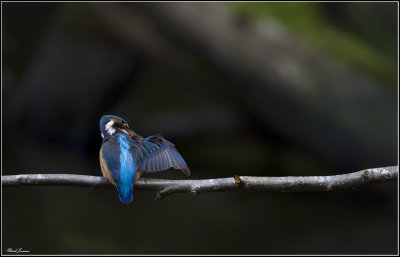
(125, 192)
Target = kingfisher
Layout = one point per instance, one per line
(124, 155)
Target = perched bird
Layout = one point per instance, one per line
(124, 155)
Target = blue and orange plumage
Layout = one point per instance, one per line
(124, 155)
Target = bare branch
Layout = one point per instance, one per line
(168, 187)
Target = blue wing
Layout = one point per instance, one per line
(160, 154)
(110, 156)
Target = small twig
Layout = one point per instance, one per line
(168, 187)
(167, 191)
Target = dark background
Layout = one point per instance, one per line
(256, 89)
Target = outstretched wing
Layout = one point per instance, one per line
(160, 154)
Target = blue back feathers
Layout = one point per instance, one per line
(117, 153)
(127, 170)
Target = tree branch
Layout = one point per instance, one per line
(167, 187)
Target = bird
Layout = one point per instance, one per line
(124, 155)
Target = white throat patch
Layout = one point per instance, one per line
(109, 127)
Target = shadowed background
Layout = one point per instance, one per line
(255, 89)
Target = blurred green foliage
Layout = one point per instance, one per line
(310, 20)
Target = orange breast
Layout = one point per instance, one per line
(138, 174)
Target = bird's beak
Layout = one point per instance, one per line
(128, 132)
